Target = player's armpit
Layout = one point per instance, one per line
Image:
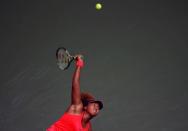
(75, 109)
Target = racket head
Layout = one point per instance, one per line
(63, 58)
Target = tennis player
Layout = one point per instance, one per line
(82, 109)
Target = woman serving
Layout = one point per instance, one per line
(82, 109)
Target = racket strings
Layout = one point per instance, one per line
(63, 59)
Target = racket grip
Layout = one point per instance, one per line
(79, 62)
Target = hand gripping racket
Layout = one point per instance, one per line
(64, 59)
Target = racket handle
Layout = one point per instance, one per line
(78, 57)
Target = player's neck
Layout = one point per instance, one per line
(86, 118)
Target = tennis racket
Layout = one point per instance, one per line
(64, 58)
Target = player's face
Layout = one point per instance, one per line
(93, 109)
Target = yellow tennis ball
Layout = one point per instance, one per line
(98, 6)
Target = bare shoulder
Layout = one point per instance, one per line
(75, 109)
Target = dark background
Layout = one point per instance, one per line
(135, 61)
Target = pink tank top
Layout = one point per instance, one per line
(69, 122)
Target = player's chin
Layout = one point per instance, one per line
(94, 115)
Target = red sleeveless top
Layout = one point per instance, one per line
(69, 122)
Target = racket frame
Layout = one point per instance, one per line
(70, 58)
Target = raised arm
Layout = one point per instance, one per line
(76, 93)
